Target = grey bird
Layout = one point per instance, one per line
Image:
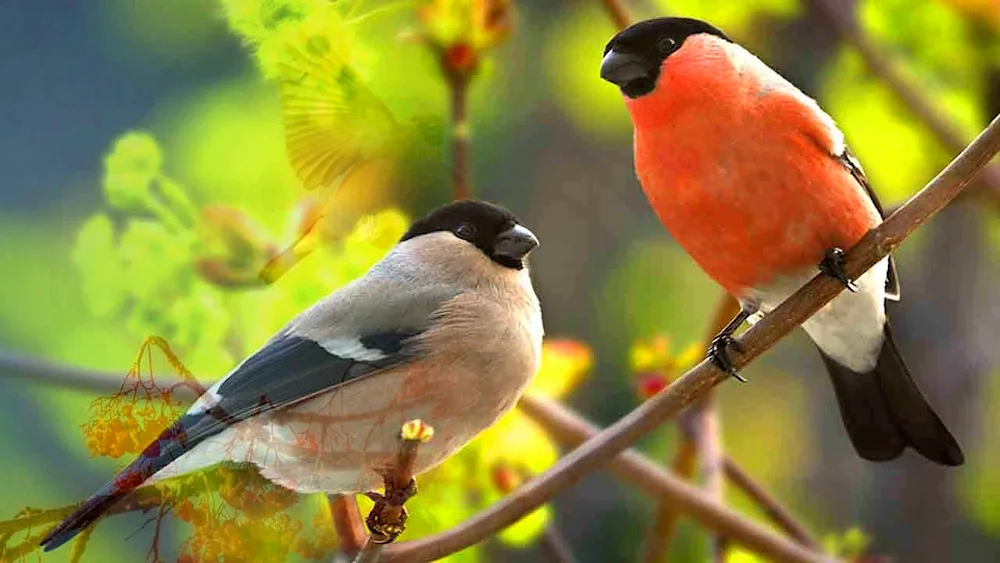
(445, 328)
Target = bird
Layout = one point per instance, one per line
(445, 328)
(755, 181)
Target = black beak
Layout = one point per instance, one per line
(513, 245)
(622, 68)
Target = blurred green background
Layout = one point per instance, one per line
(84, 283)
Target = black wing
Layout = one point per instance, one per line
(854, 165)
(286, 371)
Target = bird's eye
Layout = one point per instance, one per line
(465, 231)
(666, 44)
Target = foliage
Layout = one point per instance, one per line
(182, 254)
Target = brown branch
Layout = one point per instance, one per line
(347, 522)
(771, 507)
(569, 429)
(948, 135)
(617, 12)
(873, 247)
(556, 546)
(705, 422)
(387, 518)
(660, 533)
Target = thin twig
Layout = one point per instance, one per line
(617, 12)
(556, 546)
(570, 430)
(948, 135)
(699, 440)
(387, 518)
(873, 247)
(771, 507)
(347, 521)
(665, 522)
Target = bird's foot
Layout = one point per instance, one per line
(718, 352)
(833, 266)
(386, 525)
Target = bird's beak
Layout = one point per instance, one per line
(621, 68)
(515, 243)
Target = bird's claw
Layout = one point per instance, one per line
(833, 266)
(386, 530)
(718, 352)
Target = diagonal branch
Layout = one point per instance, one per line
(617, 12)
(771, 507)
(594, 453)
(603, 447)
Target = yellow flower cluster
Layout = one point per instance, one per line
(254, 523)
(135, 416)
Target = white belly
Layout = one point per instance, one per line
(848, 328)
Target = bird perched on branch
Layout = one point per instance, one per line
(755, 181)
(445, 328)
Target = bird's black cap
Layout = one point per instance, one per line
(633, 57)
(491, 228)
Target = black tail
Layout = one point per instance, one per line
(88, 513)
(180, 437)
(884, 411)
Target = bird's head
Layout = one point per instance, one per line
(635, 58)
(490, 229)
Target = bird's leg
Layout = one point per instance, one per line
(718, 351)
(833, 266)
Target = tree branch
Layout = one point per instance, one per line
(661, 532)
(617, 12)
(699, 439)
(594, 453)
(347, 522)
(569, 429)
(555, 545)
(771, 507)
(950, 137)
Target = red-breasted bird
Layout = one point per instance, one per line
(755, 182)
(446, 328)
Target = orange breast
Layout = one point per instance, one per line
(741, 179)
